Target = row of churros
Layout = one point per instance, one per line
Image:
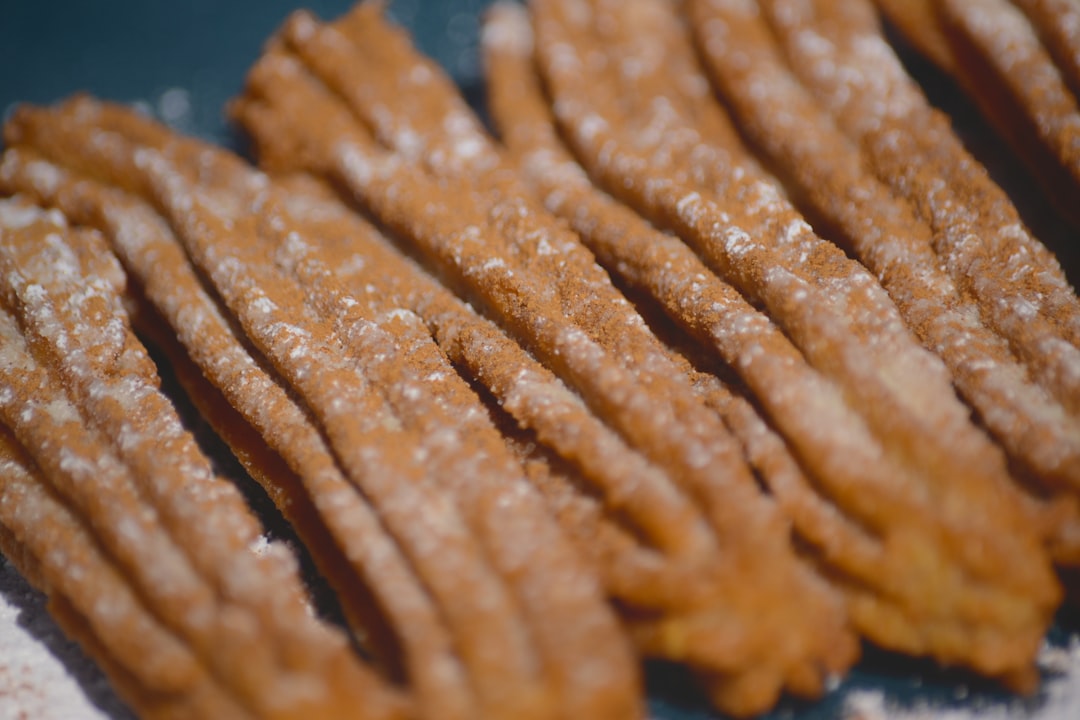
(543, 404)
(151, 561)
(1019, 60)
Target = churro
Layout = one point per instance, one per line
(152, 255)
(56, 540)
(1020, 288)
(544, 403)
(1058, 25)
(217, 596)
(996, 55)
(461, 463)
(690, 293)
(281, 95)
(1041, 435)
(791, 274)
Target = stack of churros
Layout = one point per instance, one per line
(721, 351)
(151, 561)
(1019, 60)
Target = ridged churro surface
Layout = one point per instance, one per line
(711, 346)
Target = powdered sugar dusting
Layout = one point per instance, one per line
(1058, 699)
(42, 674)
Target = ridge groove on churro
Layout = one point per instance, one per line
(145, 244)
(1058, 25)
(598, 115)
(977, 232)
(1039, 433)
(544, 404)
(386, 186)
(132, 508)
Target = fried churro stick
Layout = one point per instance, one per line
(586, 664)
(288, 72)
(109, 495)
(452, 143)
(457, 144)
(1058, 25)
(154, 257)
(528, 390)
(1018, 86)
(841, 316)
(280, 95)
(112, 377)
(592, 123)
(993, 51)
(1040, 435)
(795, 398)
(368, 437)
(577, 637)
(158, 571)
(446, 136)
(463, 133)
(671, 273)
(68, 563)
(797, 259)
(1021, 290)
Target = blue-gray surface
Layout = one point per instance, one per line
(140, 50)
(136, 50)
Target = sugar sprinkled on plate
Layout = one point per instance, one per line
(39, 666)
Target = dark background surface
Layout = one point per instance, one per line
(184, 60)
(136, 50)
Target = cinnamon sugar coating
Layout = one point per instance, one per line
(1021, 290)
(621, 126)
(544, 403)
(1040, 432)
(998, 55)
(182, 537)
(502, 270)
(465, 475)
(1058, 25)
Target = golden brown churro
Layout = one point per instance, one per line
(69, 562)
(646, 259)
(381, 51)
(62, 287)
(503, 270)
(541, 405)
(153, 256)
(1058, 24)
(827, 171)
(690, 293)
(590, 681)
(1021, 290)
(633, 165)
(993, 51)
